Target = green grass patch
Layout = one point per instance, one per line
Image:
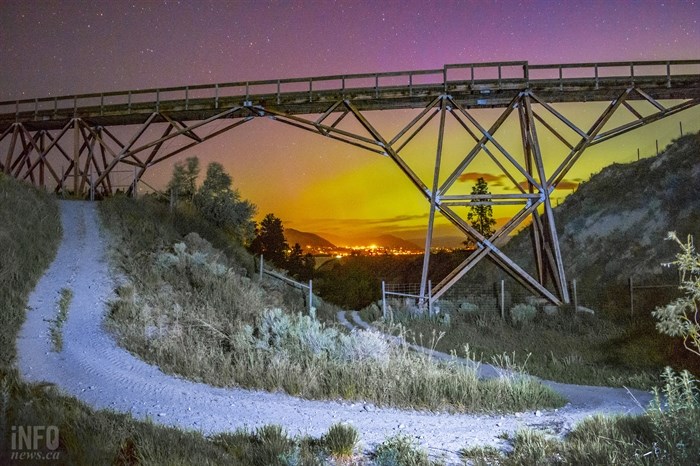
(341, 441)
(667, 434)
(66, 296)
(400, 450)
(567, 347)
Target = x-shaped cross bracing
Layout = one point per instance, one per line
(96, 149)
(534, 195)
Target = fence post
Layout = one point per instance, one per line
(261, 267)
(430, 298)
(573, 285)
(631, 297)
(92, 186)
(383, 300)
(503, 299)
(311, 294)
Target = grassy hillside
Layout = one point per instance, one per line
(30, 231)
(613, 227)
(192, 310)
(29, 221)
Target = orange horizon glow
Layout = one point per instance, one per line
(350, 196)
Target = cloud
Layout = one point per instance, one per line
(375, 221)
(398, 222)
(564, 184)
(569, 184)
(488, 177)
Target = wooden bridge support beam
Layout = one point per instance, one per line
(535, 196)
(30, 152)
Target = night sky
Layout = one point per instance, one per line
(50, 48)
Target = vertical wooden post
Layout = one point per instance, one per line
(262, 265)
(657, 147)
(383, 300)
(631, 297)
(680, 123)
(42, 148)
(430, 298)
(573, 286)
(503, 299)
(76, 154)
(433, 198)
(311, 294)
(92, 186)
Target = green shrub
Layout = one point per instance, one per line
(468, 308)
(668, 433)
(341, 440)
(56, 330)
(675, 417)
(400, 450)
(30, 231)
(523, 313)
(681, 317)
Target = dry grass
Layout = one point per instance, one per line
(571, 348)
(30, 232)
(190, 309)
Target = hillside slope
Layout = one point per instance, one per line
(306, 239)
(613, 227)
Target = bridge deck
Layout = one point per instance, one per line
(482, 85)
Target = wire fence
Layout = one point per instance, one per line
(645, 296)
(499, 297)
(407, 293)
(307, 289)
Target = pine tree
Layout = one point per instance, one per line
(184, 179)
(223, 206)
(300, 266)
(481, 216)
(269, 240)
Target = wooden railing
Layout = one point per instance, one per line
(494, 73)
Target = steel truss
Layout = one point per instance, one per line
(92, 152)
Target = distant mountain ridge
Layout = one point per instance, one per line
(315, 241)
(306, 239)
(391, 242)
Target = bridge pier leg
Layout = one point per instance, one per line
(548, 242)
(434, 199)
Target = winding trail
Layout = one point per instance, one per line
(95, 370)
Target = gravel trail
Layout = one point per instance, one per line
(94, 369)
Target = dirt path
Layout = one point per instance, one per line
(95, 370)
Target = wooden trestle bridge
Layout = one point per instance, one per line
(51, 140)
